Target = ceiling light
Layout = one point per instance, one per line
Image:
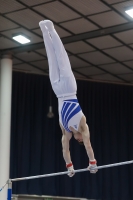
(21, 39)
(130, 12)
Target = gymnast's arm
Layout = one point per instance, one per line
(86, 140)
(66, 152)
(65, 147)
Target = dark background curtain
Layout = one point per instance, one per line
(36, 140)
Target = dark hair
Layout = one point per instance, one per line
(81, 143)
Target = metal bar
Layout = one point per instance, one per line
(3, 187)
(69, 39)
(9, 191)
(76, 171)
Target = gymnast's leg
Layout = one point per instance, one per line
(61, 54)
(53, 65)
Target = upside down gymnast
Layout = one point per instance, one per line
(71, 118)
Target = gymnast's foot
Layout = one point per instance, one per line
(49, 24)
(42, 26)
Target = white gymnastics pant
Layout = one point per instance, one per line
(61, 76)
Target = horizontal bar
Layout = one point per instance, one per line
(98, 33)
(76, 171)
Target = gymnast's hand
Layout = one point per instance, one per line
(92, 165)
(70, 169)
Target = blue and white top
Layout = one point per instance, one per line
(70, 113)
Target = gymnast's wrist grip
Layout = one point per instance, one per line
(69, 165)
(93, 162)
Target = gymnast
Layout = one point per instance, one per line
(71, 118)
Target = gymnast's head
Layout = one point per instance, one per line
(77, 135)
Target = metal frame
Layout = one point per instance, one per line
(73, 38)
(10, 181)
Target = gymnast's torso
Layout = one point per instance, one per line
(70, 112)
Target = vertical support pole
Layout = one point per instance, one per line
(9, 191)
(5, 120)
